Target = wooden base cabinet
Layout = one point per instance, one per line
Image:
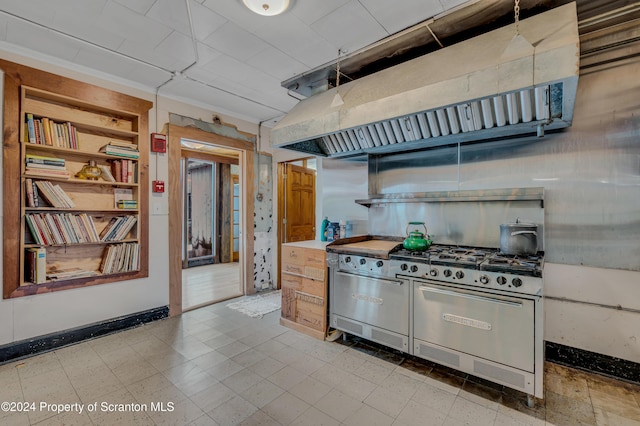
(304, 289)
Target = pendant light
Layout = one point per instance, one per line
(267, 7)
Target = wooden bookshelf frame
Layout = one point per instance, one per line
(87, 98)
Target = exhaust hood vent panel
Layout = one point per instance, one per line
(492, 86)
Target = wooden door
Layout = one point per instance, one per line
(300, 204)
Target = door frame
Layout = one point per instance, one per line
(246, 150)
(281, 168)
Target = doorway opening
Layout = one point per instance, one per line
(211, 198)
(296, 201)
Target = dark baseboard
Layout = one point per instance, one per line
(593, 362)
(29, 347)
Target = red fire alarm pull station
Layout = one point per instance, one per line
(158, 186)
(158, 142)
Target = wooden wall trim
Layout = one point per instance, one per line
(15, 76)
(175, 135)
(95, 95)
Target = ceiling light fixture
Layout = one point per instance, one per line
(267, 7)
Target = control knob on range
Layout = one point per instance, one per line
(414, 268)
(433, 272)
(404, 266)
(447, 272)
(459, 275)
(379, 263)
(484, 279)
(501, 280)
(517, 282)
(363, 261)
(347, 259)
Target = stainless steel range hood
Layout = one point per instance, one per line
(495, 85)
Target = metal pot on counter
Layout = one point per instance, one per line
(519, 239)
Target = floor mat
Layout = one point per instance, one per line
(258, 305)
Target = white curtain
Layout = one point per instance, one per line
(201, 209)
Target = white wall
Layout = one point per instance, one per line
(36, 315)
(585, 323)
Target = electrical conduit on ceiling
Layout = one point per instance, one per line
(172, 74)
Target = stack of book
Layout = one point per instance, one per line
(121, 149)
(39, 190)
(44, 131)
(69, 274)
(61, 228)
(40, 165)
(118, 228)
(127, 204)
(121, 258)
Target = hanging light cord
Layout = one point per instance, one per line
(516, 12)
(338, 69)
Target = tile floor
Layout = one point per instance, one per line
(214, 366)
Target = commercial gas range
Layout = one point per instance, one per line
(470, 308)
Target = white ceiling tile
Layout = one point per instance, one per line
(350, 27)
(205, 21)
(172, 13)
(310, 11)
(235, 42)
(395, 19)
(277, 64)
(137, 28)
(139, 6)
(42, 40)
(148, 76)
(308, 47)
(145, 54)
(179, 47)
(229, 68)
(109, 63)
(4, 20)
(42, 11)
(86, 29)
(207, 54)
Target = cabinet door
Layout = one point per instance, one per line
(289, 284)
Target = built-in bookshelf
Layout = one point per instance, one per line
(79, 159)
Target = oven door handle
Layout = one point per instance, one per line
(471, 296)
(384, 280)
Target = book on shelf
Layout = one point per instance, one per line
(69, 274)
(54, 195)
(127, 204)
(118, 228)
(29, 193)
(46, 160)
(120, 150)
(123, 257)
(106, 174)
(35, 172)
(61, 228)
(44, 131)
(122, 194)
(36, 265)
(31, 128)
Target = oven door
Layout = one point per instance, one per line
(492, 326)
(379, 302)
